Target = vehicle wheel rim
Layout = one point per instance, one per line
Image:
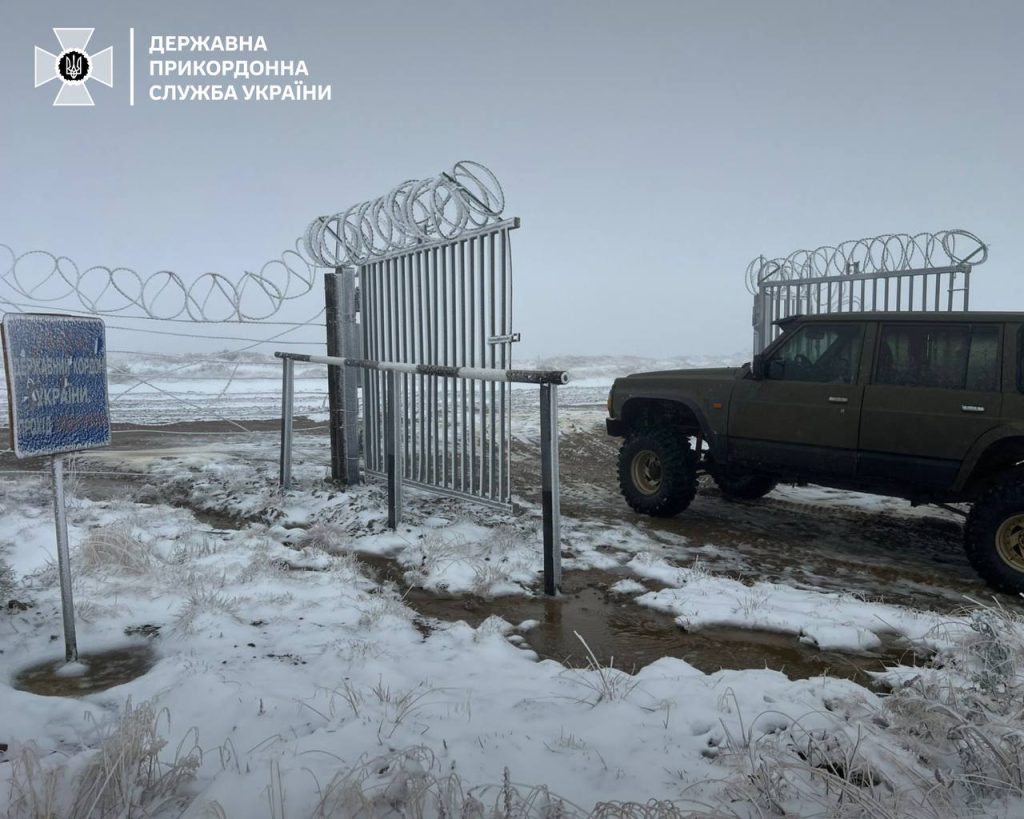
(647, 472)
(1010, 541)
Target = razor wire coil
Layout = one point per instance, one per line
(42, 277)
(886, 253)
(444, 207)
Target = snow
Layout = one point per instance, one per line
(299, 674)
(839, 622)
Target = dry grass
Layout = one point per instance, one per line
(405, 784)
(411, 784)
(606, 683)
(949, 742)
(202, 601)
(125, 777)
(327, 537)
(7, 581)
(116, 548)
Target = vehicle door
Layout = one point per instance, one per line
(935, 389)
(804, 413)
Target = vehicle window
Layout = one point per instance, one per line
(983, 361)
(945, 356)
(822, 353)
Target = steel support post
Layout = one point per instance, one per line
(64, 560)
(287, 420)
(335, 375)
(762, 321)
(351, 347)
(549, 488)
(392, 449)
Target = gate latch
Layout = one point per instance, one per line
(508, 339)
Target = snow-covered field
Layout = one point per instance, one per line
(290, 678)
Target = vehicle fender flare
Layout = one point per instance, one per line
(714, 440)
(980, 447)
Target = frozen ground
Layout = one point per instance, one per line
(299, 667)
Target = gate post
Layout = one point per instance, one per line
(351, 347)
(335, 375)
(392, 451)
(756, 321)
(287, 420)
(549, 485)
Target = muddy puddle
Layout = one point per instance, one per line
(102, 670)
(630, 636)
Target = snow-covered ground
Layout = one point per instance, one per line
(289, 679)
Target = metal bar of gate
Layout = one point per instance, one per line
(435, 358)
(463, 340)
(492, 362)
(419, 338)
(472, 363)
(548, 381)
(506, 332)
(445, 343)
(510, 376)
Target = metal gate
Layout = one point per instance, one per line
(446, 305)
(432, 265)
(899, 271)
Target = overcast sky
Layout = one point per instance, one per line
(651, 148)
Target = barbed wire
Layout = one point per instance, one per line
(46, 278)
(466, 198)
(887, 253)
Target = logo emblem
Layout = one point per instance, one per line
(74, 66)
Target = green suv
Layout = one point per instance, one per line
(923, 406)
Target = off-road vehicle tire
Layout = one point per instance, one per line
(657, 471)
(994, 536)
(744, 486)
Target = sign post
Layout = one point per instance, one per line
(64, 560)
(56, 370)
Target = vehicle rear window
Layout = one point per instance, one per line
(943, 356)
(983, 361)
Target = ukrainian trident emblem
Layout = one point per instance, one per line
(71, 67)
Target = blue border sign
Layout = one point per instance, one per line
(56, 383)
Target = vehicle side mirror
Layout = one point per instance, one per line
(757, 367)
